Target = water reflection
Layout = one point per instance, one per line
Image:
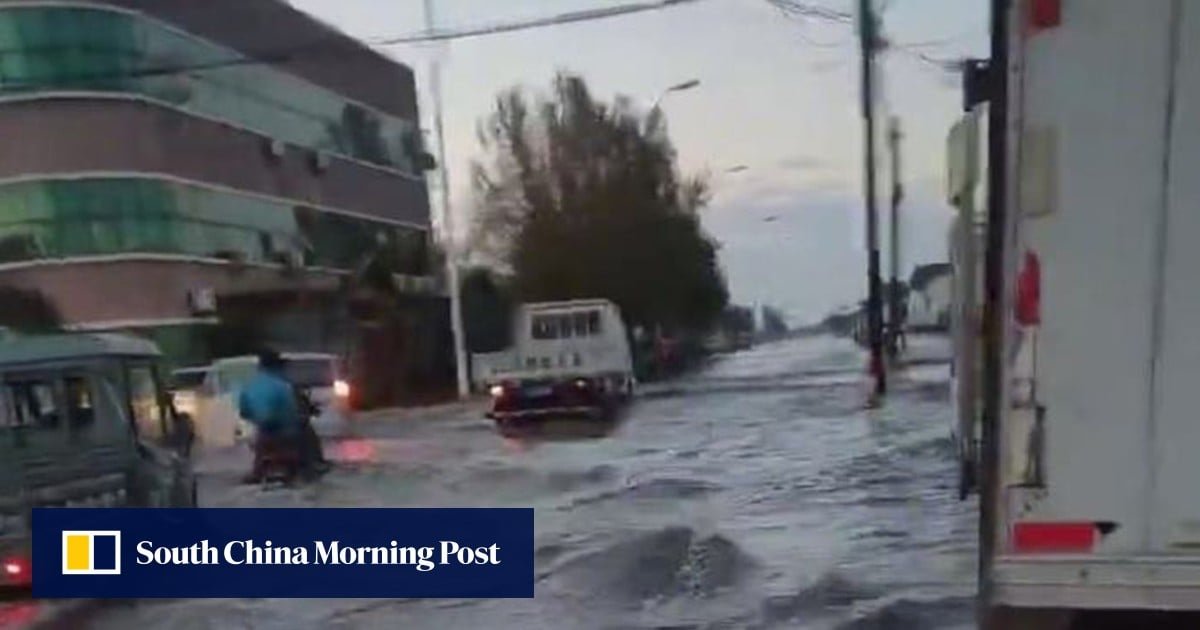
(355, 451)
(18, 614)
(559, 430)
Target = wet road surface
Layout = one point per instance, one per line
(757, 493)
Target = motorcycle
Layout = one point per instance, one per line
(286, 459)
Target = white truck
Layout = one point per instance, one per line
(570, 358)
(1089, 460)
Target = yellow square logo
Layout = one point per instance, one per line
(91, 553)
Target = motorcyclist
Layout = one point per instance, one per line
(268, 402)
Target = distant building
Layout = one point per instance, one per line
(200, 173)
(929, 297)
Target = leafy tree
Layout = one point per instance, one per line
(487, 311)
(583, 199)
(27, 310)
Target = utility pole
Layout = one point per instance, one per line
(993, 312)
(448, 240)
(869, 41)
(894, 137)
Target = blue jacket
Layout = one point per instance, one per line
(269, 403)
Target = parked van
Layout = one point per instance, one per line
(570, 358)
(84, 422)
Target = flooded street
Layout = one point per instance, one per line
(756, 493)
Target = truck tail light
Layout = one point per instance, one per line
(1029, 291)
(1044, 14)
(1055, 537)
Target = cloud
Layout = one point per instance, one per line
(758, 189)
(803, 163)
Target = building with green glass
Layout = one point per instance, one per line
(213, 175)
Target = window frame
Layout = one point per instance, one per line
(55, 379)
(93, 392)
(549, 325)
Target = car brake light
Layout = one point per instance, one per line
(16, 570)
(341, 389)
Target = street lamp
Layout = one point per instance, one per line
(678, 87)
(655, 109)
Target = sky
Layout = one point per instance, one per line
(777, 94)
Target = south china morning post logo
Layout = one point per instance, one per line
(283, 553)
(91, 553)
(251, 553)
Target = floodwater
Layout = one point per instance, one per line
(756, 493)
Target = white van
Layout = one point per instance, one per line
(569, 358)
(318, 375)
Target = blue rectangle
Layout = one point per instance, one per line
(198, 553)
(104, 553)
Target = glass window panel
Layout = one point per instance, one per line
(73, 236)
(10, 38)
(35, 404)
(144, 402)
(80, 407)
(107, 237)
(12, 207)
(97, 216)
(31, 26)
(544, 327)
(580, 324)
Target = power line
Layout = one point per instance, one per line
(803, 11)
(509, 27)
(798, 9)
(938, 63)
